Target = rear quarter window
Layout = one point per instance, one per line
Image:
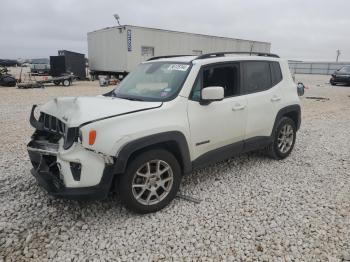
(276, 73)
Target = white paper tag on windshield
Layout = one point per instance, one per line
(179, 67)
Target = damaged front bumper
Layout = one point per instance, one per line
(48, 171)
(72, 173)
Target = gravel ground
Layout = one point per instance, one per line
(253, 208)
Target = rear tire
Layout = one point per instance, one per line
(150, 182)
(283, 139)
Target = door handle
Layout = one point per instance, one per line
(275, 98)
(237, 107)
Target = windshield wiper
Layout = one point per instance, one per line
(135, 99)
(110, 93)
(131, 98)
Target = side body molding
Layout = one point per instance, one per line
(173, 137)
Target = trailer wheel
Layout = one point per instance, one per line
(57, 83)
(66, 82)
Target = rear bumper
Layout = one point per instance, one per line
(46, 171)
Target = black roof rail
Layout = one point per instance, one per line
(220, 54)
(166, 56)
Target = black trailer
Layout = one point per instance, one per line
(68, 62)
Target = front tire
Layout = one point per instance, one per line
(151, 181)
(283, 139)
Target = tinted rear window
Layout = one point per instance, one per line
(257, 76)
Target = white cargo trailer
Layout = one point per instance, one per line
(117, 50)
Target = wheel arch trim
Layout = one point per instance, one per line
(152, 140)
(285, 110)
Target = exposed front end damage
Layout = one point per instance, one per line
(62, 166)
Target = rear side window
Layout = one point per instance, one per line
(345, 69)
(257, 76)
(276, 74)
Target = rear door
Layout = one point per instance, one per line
(261, 87)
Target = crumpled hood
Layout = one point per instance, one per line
(75, 111)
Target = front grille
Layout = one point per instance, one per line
(52, 124)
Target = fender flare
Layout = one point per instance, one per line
(135, 145)
(285, 110)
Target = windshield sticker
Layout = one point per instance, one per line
(178, 67)
(163, 94)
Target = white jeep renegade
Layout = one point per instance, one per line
(169, 116)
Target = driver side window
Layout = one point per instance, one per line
(226, 76)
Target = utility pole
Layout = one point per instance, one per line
(338, 54)
(251, 47)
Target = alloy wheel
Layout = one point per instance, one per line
(152, 182)
(285, 138)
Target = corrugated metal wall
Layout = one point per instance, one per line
(107, 50)
(119, 49)
(317, 68)
(167, 42)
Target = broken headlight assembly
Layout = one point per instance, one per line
(52, 125)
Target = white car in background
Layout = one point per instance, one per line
(169, 116)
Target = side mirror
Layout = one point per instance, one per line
(211, 93)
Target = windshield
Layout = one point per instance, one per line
(345, 69)
(157, 81)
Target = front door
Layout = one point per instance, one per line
(221, 123)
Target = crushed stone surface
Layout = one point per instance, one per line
(253, 208)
